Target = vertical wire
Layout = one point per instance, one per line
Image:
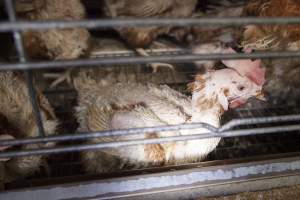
(28, 73)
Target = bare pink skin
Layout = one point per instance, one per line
(237, 103)
(5, 137)
(247, 67)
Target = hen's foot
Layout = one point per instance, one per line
(60, 78)
(155, 65)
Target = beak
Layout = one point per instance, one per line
(261, 96)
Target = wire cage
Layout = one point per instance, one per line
(259, 140)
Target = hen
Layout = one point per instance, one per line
(272, 37)
(18, 121)
(54, 43)
(283, 80)
(143, 36)
(132, 105)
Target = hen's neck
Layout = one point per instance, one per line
(206, 109)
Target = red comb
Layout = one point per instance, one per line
(247, 67)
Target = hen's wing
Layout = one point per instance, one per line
(108, 117)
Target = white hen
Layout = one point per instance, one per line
(132, 105)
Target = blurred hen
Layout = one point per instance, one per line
(54, 43)
(274, 37)
(282, 82)
(18, 121)
(143, 36)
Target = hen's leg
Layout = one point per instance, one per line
(155, 65)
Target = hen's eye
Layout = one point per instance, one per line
(241, 87)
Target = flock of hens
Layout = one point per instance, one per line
(104, 105)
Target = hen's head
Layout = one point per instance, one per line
(225, 88)
(228, 88)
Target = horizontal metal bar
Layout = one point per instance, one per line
(141, 60)
(137, 187)
(76, 148)
(258, 120)
(102, 23)
(82, 136)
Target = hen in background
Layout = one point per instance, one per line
(142, 37)
(131, 105)
(54, 43)
(282, 81)
(18, 121)
(273, 37)
(58, 44)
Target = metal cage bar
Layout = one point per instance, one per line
(142, 60)
(76, 148)
(211, 131)
(109, 23)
